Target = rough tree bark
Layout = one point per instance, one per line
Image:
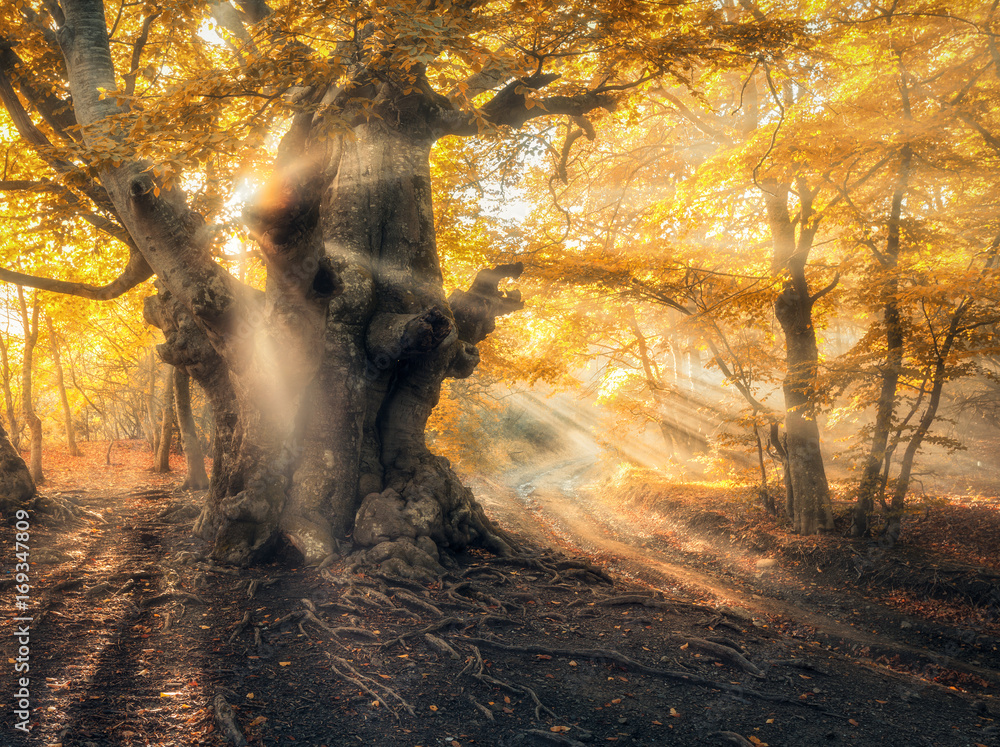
(30, 324)
(67, 412)
(196, 477)
(161, 458)
(16, 486)
(810, 493)
(322, 384)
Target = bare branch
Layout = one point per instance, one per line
(30, 132)
(54, 110)
(100, 222)
(833, 284)
(511, 106)
(694, 119)
(137, 48)
(476, 309)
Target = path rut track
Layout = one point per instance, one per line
(551, 505)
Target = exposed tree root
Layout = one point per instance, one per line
(255, 583)
(475, 669)
(211, 568)
(730, 737)
(343, 669)
(432, 628)
(126, 587)
(98, 589)
(68, 585)
(413, 602)
(400, 582)
(554, 565)
(719, 622)
(478, 569)
(309, 614)
(631, 664)
(724, 652)
(55, 509)
(801, 664)
(225, 719)
(669, 605)
(178, 512)
(480, 707)
(172, 596)
(240, 627)
(441, 646)
(340, 606)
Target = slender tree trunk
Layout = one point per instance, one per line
(8, 394)
(656, 388)
(152, 427)
(938, 378)
(813, 511)
(780, 444)
(197, 478)
(680, 431)
(161, 461)
(27, 401)
(67, 412)
(765, 494)
(870, 483)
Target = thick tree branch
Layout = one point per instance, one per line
(512, 107)
(135, 272)
(715, 134)
(108, 226)
(24, 185)
(55, 111)
(170, 235)
(819, 294)
(476, 309)
(31, 134)
(140, 44)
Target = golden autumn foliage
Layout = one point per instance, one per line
(646, 225)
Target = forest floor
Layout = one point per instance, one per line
(649, 620)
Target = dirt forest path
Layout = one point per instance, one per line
(554, 505)
(137, 640)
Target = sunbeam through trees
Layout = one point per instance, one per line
(381, 348)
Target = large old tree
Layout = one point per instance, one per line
(321, 381)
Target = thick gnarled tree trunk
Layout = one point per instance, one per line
(329, 445)
(320, 385)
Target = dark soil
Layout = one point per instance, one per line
(136, 640)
